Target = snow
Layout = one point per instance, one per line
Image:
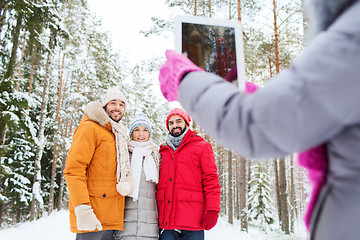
(56, 227)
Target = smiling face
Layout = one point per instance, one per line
(115, 109)
(177, 125)
(140, 134)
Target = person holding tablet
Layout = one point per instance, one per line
(314, 102)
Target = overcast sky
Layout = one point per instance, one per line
(125, 19)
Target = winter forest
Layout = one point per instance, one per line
(56, 57)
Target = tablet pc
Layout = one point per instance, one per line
(212, 44)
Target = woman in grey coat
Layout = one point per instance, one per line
(140, 214)
(314, 102)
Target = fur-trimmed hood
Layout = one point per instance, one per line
(96, 113)
(325, 12)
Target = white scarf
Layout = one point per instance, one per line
(123, 176)
(139, 151)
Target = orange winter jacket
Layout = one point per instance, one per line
(90, 170)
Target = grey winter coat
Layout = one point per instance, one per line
(140, 217)
(315, 101)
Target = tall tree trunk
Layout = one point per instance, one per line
(195, 7)
(15, 45)
(230, 189)
(209, 4)
(75, 103)
(20, 64)
(239, 9)
(284, 220)
(276, 38)
(36, 197)
(55, 150)
(237, 187)
(3, 11)
(277, 188)
(292, 196)
(243, 195)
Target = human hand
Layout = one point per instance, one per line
(210, 220)
(171, 73)
(86, 219)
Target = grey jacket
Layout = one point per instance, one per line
(315, 101)
(140, 217)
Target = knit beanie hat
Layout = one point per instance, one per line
(181, 113)
(140, 120)
(113, 94)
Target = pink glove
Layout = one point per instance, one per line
(210, 220)
(172, 71)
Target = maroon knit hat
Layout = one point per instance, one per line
(181, 113)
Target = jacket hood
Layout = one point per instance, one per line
(96, 113)
(325, 12)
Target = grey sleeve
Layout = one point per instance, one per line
(298, 109)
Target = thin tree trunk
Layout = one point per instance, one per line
(3, 10)
(277, 188)
(230, 189)
(55, 150)
(20, 64)
(243, 195)
(195, 7)
(239, 9)
(284, 220)
(237, 188)
(15, 42)
(292, 196)
(276, 39)
(209, 4)
(36, 197)
(75, 103)
(229, 9)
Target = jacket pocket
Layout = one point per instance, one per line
(190, 207)
(108, 205)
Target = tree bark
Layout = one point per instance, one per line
(15, 42)
(20, 65)
(41, 143)
(277, 188)
(292, 196)
(239, 9)
(276, 38)
(284, 220)
(55, 149)
(243, 195)
(230, 189)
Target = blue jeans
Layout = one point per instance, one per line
(101, 235)
(181, 235)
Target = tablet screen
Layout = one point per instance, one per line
(213, 46)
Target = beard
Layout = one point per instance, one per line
(116, 120)
(182, 130)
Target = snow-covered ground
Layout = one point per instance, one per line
(56, 227)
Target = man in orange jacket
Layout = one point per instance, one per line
(188, 192)
(97, 170)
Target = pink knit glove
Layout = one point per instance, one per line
(172, 71)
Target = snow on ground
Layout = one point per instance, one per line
(56, 227)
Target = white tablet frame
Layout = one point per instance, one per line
(236, 25)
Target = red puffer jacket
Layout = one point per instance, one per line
(189, 184)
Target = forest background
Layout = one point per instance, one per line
(55, 57)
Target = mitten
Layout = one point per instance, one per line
(210, 220)
(171, 73)
(123, 188)
(86, 219)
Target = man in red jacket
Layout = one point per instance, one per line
(188, 192)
